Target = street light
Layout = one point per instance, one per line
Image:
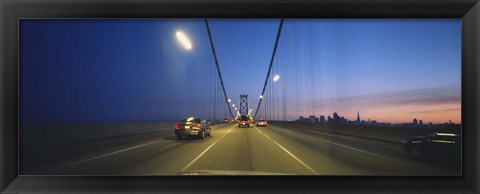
(184, 40)
(229, 100)
(276, 78)
(261, 96)
(233, 105)
(235, 108)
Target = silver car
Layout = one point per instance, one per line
(192, 126)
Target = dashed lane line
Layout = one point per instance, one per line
(352, 148)
(205, 151)
(289, 153)
(112, 153)
(101, 156)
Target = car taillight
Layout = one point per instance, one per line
(197, 126)
(176, 126)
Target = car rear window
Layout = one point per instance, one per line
(192, 119)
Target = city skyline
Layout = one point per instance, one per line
(363, 119)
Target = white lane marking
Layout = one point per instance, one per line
(286, 130)
(101, 156)
(359, 150)
(205, 151)
(289, 153)
(352, 148)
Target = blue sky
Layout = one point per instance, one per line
(74, 71)
(244, 49)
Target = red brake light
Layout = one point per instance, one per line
(197, 126)
(176, 126)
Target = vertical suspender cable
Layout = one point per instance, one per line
(218, 68)
(214, 97)
(270, 67)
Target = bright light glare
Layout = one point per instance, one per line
(261, 96)
(229, 100)
(276, 78)
(447, 134)
(233, 105)
(184, 40)
(442, 141)
(235, 108)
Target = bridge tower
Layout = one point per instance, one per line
(243, 105)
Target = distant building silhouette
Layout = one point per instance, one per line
(358, 118)
(336, 118)
(322, 119)
(311, 119)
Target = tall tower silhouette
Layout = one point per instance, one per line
(358, 116)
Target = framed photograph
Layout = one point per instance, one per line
(240, 96)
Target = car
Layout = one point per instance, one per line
(193, 126)
(243, 124)
(262, 122)
(434, 146)
(244, 121)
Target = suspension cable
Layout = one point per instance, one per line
(218, 68)
(270, 67)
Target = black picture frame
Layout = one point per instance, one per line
(12, 10)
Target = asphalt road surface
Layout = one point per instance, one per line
(229, 151)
